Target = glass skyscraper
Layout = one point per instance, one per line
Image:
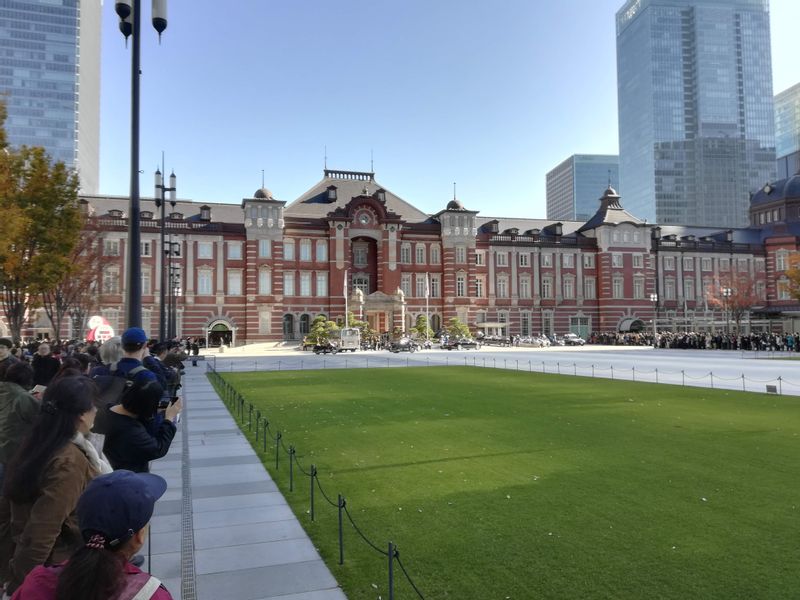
(575, 186)
(787, 131)
(696, 116)
(50, 80)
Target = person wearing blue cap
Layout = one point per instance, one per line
(113, 515)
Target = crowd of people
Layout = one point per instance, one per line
(79, 425)
(776, 342)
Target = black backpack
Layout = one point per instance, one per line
(112, 388)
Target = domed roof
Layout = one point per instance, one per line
(263, 194)
(610, 191)
(455, 205)
(784, 189)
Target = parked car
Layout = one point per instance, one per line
(326, 348)
(539, 342)
(460, 344)
(572, 339)
(403, 345)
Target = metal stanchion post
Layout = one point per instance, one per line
(312, 474)
(341, 537)
(391, 571)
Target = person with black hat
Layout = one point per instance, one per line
(6, 358)
(113, 515)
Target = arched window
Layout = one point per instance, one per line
(288, 327)
(436, 323)
(305, 324)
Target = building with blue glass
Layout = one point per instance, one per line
(574, 186)
(696, 113)
(50, 78)
(787, 131)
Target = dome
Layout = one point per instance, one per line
(263, 194)
(610, 192)
(455, 205)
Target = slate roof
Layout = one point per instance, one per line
(504, 223)
(779, 190)
(314, 203)
(749, 235)
(220, 212)
(610, 212)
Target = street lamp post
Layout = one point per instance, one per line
(130, 14)
(654, 300)
(170, 250)
(726, 295)
(161, 202)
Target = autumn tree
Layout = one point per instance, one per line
(736, 294)
(39, 228)
(793, 273)
(76, 292)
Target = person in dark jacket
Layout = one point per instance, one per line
(133, 435)
(18, 410)
(45, 365)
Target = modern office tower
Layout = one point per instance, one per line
(696, 116)
(50, 79)
(574, 186)
(787, 131)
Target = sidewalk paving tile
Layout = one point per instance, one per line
(247, 556)
(251, 533)
(265, 582)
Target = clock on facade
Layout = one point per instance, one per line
(364, 219)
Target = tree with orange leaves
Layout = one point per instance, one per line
(736, 294)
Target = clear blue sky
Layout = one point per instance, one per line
(490, 95)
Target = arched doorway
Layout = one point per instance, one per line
(305, 324)
(288, 327)
(219, 333)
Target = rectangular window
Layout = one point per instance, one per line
(322, 284)
(111, 281)
(742, 265)
(547, 287)
(688, 289)
(617, 288)
(480, 257)
(360, 255)
(234, 283)
(264, 248)
(705, 264)
(669, 263)
(524, 287)
(780, 260)
(724, 264)
(501, 259)
(688, 264)
(669, 289)
(461, 285)
(288, 250)
(547, 260)
(405, 284)
(525, 323)
(206, 249)
(146, 289)
(305, 250)
(305, 282)
(265, 282)
(524, 259)
(638, 288)
(405, 254)
(588, 261)
(569, 288)
(784, 293)
(502, 287)
(420, 251)
(616, 260)
(419, 286)
(760, 265)
(589, 288)
(111, 247)
(322, 251)
(568, 261)
(288, 284)
(461, 254)
(761, 290)
(436, 286)
(479, 286)
(436, 255)
(204, 279)
(147, 249)
(235, 250)
(638, 261)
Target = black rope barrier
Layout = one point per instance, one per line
(361, 533)
(322, 491)
(408, 577)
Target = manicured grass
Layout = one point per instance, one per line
(501, 484)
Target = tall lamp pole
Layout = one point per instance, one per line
(161, 202)
(130, 14)
(654, 300)
(726, 295)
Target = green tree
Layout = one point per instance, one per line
(321, 330)
(422, 329)
(40, 227)
(455, 328)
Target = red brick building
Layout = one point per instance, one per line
(261, 271)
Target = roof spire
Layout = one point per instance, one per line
(325, 160)
(609, 178)
(262, 178)
(454, 190)
(371, 162)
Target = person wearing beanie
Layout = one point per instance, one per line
(113, 516)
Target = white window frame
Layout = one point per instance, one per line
(322, 251)
(616, 260)
(617, 288)
(205, 250)
(288, 250)
(203, 276)
(405, 253)
(147, 248)
(524, 259)
(590, 288)
(419, 254)
(568, 260)
(235, 251)
(305, 250)
(265, 282)
(110, 247)
(305, 284)
(461, 255)
(546, 259)
(288, 283)
(588, 261)
(322, 284)
(501, 259)
(436, 254)
(461, 285)
(234, 283)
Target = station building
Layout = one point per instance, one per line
(261, 270)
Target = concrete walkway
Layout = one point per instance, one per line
(223, 531)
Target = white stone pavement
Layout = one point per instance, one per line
(223, 531)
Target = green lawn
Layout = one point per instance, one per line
(501, 484)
